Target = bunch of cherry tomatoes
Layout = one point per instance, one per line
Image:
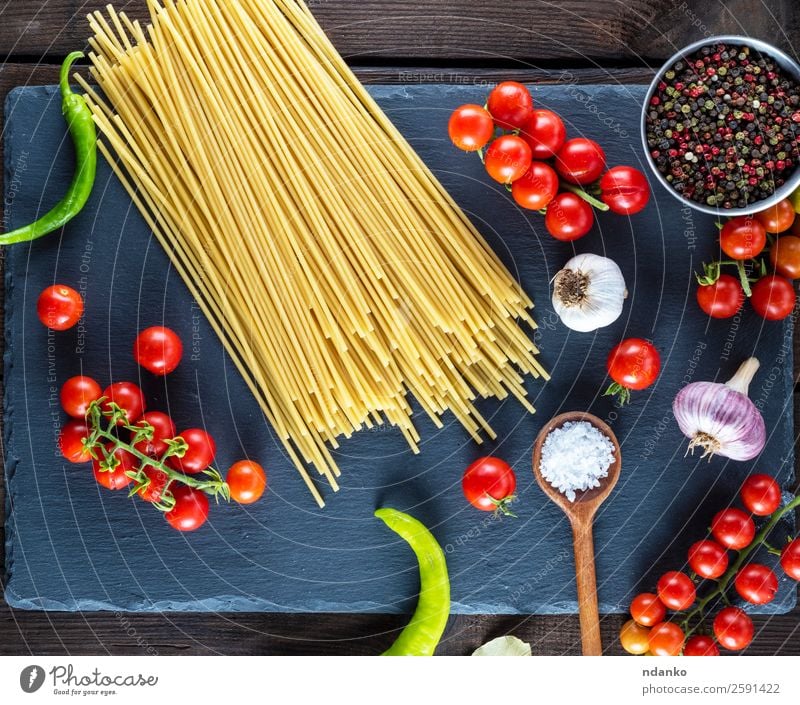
(129, 445)
(732, 529)
(528, 151)
(743, 239)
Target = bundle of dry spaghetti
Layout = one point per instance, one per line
(337, 272)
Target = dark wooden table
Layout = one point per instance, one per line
(391, 41)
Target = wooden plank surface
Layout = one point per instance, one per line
(526, 31)
(109, 633)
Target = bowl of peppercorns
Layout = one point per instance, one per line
(720, 124)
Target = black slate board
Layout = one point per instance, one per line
(71, 546)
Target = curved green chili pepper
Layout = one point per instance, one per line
(84, 137)
(423, 632)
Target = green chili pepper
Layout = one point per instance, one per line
(84, 137)
(423, 632)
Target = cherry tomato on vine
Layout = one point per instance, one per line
(756, 583)
(536, 188)
(723, 298)
(489, 484)
(127, 396)
(742, 238)
(624, 190)
(507, 158)
(761, 494)
(632, 364)
(708, 559)
(635, 638)
(666, 639)
(773, 297)
(247, 481)
(647, 609)
(59, 307)
(700, 645)
(116, 479)
(580, 161)
(510, 104)
(199, 454)
(191, 508)
(790, 559)
(733, 528)
(733, 628)
(568, 217)
(158, 349)
(785, 256)
(70, 441)
(157, 483)
(77, 393)
(163, 429)
(676, 590)
(545, 133)
(777, 218)
(470, 127)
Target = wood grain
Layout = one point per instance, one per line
(53, 633)
(534, 31)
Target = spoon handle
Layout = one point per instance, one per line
(587, 586)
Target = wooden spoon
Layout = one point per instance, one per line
(581, 515)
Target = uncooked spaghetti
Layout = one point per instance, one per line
(335, 269)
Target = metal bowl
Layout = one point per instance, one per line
(789, 66)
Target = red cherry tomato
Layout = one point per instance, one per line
(773, 297)
(568, 217)
(191, 508)
(634, 363)
(790, 559)
(733, 628)
(676, 590)
(580, 161)
(647, 609)
(59, 307)
(510, 104)
(733, 528)
(158, 350)
(708, 559)
(756, 583)
(723, 298)
(77, 393)
(777, 218)
(128, 397)
(163, 429)
(536, 188)
(70, 441)
(489, 484)
(624, 190)
(247, 481)
(742, 238)
(470, 127)
(116, 479)
(507, 158)
(545, 133)
(700, 645)
(199, 454)
(666, 639)
(157, 483)
(761, 494)
(785, 256)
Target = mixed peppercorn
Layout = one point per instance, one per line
(721, 126)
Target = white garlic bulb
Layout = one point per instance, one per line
(588, 293)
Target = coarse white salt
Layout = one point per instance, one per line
(575, 457)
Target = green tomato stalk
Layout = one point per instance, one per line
(105, 419)
(698, 614)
